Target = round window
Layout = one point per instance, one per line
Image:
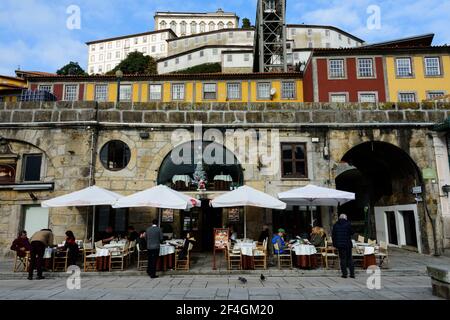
(115, 155)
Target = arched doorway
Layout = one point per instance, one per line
(180, 170)
(382, 176)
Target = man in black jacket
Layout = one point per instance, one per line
(342, 240)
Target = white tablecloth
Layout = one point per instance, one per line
(304, 250)
(102, 253)
(246, 248)
(226, 178)
(183, 178)
(166, 249)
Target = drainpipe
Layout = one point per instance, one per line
(94, 142)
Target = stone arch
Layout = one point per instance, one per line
(381, 174)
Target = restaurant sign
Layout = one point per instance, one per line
(167, 215)
(234, 214)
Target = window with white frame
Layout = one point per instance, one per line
(231, 35)
(166, 64)
(336, 67)
(71, 92)
(189, 57)
(349, 41)
(154, 38)
(108, 68)
(109, 45)
(178, 91)
(93, 47)
(293, 31)
(230, 25)
(229, 58)
(153, 49)
(102, 47)
(340, 36)
(125, 92)
(127, 43)
(288, 90)
(117, 44)
(202, 27)
(136, 40)
(193, 27)
(219, 36)
(46, 87)
(101, 92)
(101, 57)
(249, 34)
(263, 90)
(117, 54)
(92, 70)
(233, 91)
(144, 39)
(177, 60)
(365, 68)
(310, 45)
(183, 27)
(212, 26)
(246, 57)
(144, 50)
(338, 98)
(328, 45)
(327, 33)
(209, 91)
(109, 56)
(215, 51)
(310, 32)
(404, 67)
(368, 97)
(100, 69)
(202, 53)
(92, 58)
(432, 67)
(163, 48)
(155, 92)
(220, 25)
(173, 26)
(186, 42)
(407, 97)
(163, 25)
(431, 95)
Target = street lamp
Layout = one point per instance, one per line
(119, 76)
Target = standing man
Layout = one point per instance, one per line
(39, 241)
(154, 238)
(342, 240)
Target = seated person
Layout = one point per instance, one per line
(264, 234)
(185, 248)
(233, 234)
(72, 247)
(318, 237)
(132, 235)
(142, 241)
(279, 238)
(107, 236)
(21, 245)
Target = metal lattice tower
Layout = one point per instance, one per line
(270, 44)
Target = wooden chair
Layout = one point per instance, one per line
(142, 259)
(329, 254)
(131, 252)
(361, 239)
(89, 258)
(21, 264)
(372, 242)
(183, 264)
(234, 258)
(119, 257)
(285, 258)
(60, 261)
(383, 255)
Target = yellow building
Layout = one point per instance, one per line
(418, 74)
(11, 88)
(193, 88)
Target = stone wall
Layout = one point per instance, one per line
(223, 113)
(63, 131)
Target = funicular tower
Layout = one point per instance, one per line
(270, 44)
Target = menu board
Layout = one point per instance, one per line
(233, 214)
(220, 239)
(167, 215)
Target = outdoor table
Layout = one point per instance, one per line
(102, 259)
(246, 249)
(305, 256)
(222, 177)
(369, 257)
(166, 257)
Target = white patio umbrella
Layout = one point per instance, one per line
(312, 195)
(92, 196)
(158, 197)
(247, 197)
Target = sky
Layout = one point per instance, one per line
(34, 33)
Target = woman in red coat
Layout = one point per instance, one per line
(21, 245)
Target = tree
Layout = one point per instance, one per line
(136, 63)
(71, 69)
(246, 24)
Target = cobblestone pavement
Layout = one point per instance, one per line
(219, 288)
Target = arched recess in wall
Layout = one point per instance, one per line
(381, 175)
(218, 173)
